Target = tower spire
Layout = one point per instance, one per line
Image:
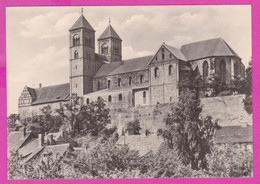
(81, 11)
(109, 21)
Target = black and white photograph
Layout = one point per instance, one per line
(129, 92)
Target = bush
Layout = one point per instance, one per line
(133, 127)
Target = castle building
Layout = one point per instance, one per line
(142, 81)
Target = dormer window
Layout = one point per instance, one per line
(76, 40)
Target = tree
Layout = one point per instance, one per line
(84, 119)
(248, 98)
(44, 122)
(133, 127)
(11, 119)
(191, 133)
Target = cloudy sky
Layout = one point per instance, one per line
(38, 37)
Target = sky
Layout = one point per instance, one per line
(38, 37)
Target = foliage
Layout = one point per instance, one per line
(11, 119)
(48, 169)
(84, 119)
(248, 99)
(230, 161)
(188, 131)
(133, 127)
(106, 160)
(45, 122)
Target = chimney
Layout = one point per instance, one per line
(41, 140)
(40, 85)
(24, 131)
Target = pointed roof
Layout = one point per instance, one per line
(207, 48)
(81, 23)
(109, 33)
(176, 52)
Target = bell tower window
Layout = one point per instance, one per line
(170, 70)
(76, 54)
(108, 84)
(76, 40)
(130, 81)
(141, 79)
(104, 49)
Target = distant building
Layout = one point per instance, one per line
(134, 82)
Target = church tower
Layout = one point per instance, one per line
(110, 44)
(82, 56)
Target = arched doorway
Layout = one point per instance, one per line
(222, 71)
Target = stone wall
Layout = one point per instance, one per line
(227, 109)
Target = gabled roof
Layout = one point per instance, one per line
(16, 139)
(28, 148)
(234, 134)
(176, 52)
(81, 23)
(207, 48)
(124, 66)
(52, 93)
(109, 33)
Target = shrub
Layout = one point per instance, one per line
(133, 127)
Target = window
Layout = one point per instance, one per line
(119, 82)
(120, 97)
(76, 85)
(87, 100)
(76, 54)
(156, 58)
(156, 72)
(76, 66)
(130, 81)
(98, 85)
(116, 49)
(98, 98)
(108, 84)
(144, 97)
(205, 70)
(170, 55)
(76, 40)
(170, 70)
(170, 99)
(162, 50)
(104, 49)
(109, 98)
(141, 79)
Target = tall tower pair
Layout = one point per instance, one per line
(83, 59)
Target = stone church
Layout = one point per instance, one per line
(142, 81)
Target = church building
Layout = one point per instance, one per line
(141, 81)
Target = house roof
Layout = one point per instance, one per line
(16, 139)
(124, 66)
(207, 48)
(176, 52)
(52, 93)
(28, 148)
(234, 134)
(109, 33)
(81, 23)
